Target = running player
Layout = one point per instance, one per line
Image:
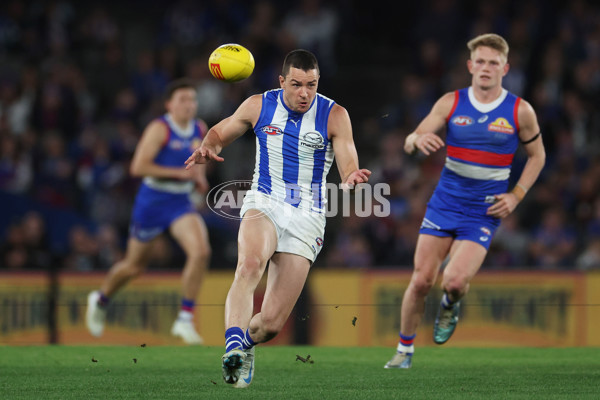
(298, 132)
(163, 203)
(484, 125)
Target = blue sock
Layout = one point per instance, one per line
(446, 302)
(247, 341)
(234, 338)
(103, 300)
(187, 305)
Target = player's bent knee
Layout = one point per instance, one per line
(249, 267)
(271, 327)
(422, 286)
(200, 258)
(455, 286)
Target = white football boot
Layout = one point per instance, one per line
(95, 316)
(400, 360)
(246, 370)
(186, 331)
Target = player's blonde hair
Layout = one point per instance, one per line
(492, 40)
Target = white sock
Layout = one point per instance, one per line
(405, 349)
(185, 315)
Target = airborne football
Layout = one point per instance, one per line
(231, 63)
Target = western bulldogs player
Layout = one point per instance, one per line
(163, 203)
(298, 132)
(484, 125)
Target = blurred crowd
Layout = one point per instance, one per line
(78, 84)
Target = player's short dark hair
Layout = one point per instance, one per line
(301, 59)
(181, 83)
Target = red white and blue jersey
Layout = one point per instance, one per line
(177, 147)
(160, 201)
(293, 153)
(481, 141)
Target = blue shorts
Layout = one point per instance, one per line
(450, 216)
(154, 212)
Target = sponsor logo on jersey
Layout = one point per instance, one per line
(176, 144)
(485, 230)
(482, 119)
(319, 241)
(501, 125)
(483, 238)
(314, 140)
(462, 120)
(271, 130)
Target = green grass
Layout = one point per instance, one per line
(66, 372)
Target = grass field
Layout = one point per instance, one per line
(66, 372)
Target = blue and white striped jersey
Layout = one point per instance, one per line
(293, 153)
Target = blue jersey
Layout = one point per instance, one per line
(481, 142)
(178, 146)
(293, 152)
(162, 200)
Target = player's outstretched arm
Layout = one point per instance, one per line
(425, 137)
(226, 131)
(339, 129)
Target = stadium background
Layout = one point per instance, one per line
(78, 82)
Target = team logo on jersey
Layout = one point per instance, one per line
(462, 120)
(485, 230)
(501, 125)
(319, 241)
(271, 130)
(314, 140)
(176, 144)
(195, 143)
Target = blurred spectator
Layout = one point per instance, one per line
(313, 26)
(12, 250)
(16, 166)
(109, 246)
(54, 181)
(83, 251)
(509, 246)
(553, 243)
(26, 245)
(148, 81)
(35, 239)
(351, 248)
(590, 258)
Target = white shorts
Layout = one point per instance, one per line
(299, 231)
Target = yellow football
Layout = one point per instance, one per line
(231, 63)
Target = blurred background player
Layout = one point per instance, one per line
(163, 203)
(298, 132)
(484, 125)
